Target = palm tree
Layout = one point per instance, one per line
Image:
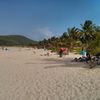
(97, 28)
(73, 33)
(64, 36)
(88, 31)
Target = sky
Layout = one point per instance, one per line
(39, 19)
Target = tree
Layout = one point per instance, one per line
(73, 33)
(73, 36)
(88, 31)
(65, 35)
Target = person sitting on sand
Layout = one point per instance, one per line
(80, 59)
(88, 55)
(91, 57)
(98, 55)
(95, 58)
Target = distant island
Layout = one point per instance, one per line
(15, 40)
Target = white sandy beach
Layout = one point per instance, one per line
(28, 76)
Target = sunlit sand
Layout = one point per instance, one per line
(26, 75)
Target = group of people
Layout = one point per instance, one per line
(87, 56)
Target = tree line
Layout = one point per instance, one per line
(88, 36)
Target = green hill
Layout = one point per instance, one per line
(13, 40)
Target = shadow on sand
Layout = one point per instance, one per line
(55, 63)
(60, 62)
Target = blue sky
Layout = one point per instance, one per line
(38, 19)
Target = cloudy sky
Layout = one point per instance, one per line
(38, 19)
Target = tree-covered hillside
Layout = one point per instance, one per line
(12, 40)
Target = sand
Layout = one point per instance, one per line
(26, 74)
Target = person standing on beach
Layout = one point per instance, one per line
(61, 52)
(83, 52)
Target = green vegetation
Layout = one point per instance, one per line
(87, 36)
(16, 40)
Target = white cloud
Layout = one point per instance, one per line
(45, 31)
(41, 33)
